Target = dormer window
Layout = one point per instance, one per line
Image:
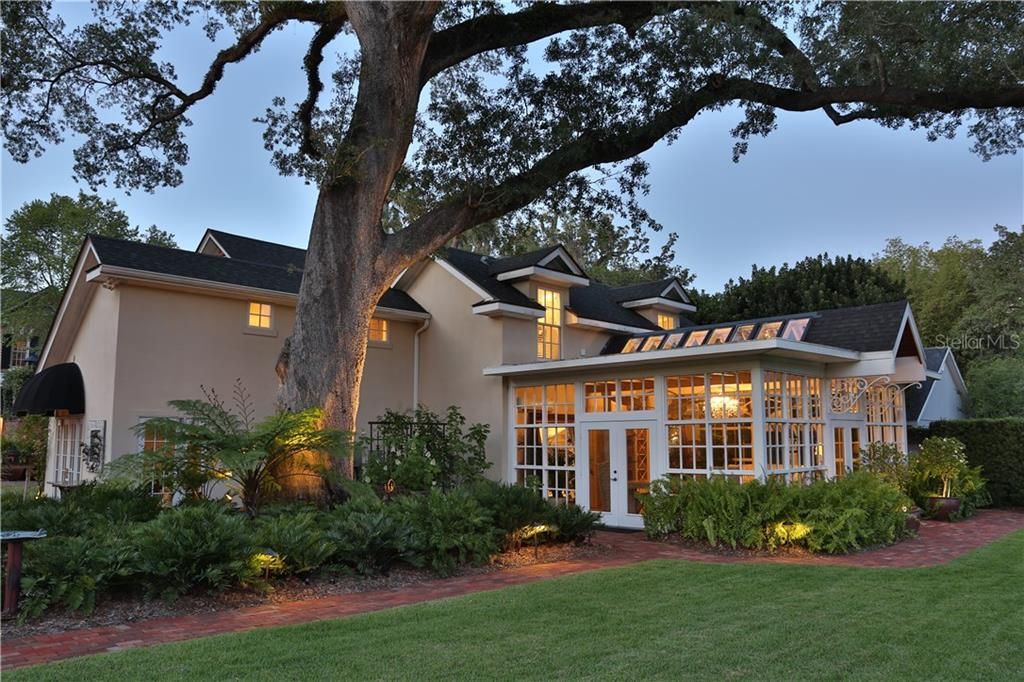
(666, 321)
(549, 327)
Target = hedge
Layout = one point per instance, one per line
(997, 446)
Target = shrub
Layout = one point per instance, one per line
(296, 539)
(997, 446)
(193, 547)
(115, 503)
(71, 571)
(888, 463)
(826, 516)
(448, 529)
(369, 539)
(81, 510)
(423, 449)
(572, 523)
(512, 507)
(941, 468)
(44, 513)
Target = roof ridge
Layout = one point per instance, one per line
(254, 239)
(189, 252)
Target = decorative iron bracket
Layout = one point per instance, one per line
(848, 400)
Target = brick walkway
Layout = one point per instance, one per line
(936, 544)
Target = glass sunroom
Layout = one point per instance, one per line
(743, 400)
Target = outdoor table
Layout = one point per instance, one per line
(12, 584)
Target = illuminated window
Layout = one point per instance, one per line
(794, 426)
(884, 418)
(743, 332)
(378, 330)
(795, 329)
(666, 321)
(19, 353)
(673, 340)
(713, 433)
(632, 345)
(549, 327)
(652, 342)
(769, 330)
(720, 335)
(546, 440)
(625, 395)
(260, 315)
(696, 338)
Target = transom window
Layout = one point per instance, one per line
(624, 395)
(795, 329)
(744, 332)
(549, 327)
(379, 331)
(546, 440)
(632, 345)
(260, 315)
(769, 330)
(666, 321)
(673, 341)
(652, 342)
(720, 335)
(696, 338)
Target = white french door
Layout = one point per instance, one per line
(67, 451)
(618, 469)
(846, 445)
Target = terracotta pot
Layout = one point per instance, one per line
(941, 508)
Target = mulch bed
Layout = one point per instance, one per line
(126, 609)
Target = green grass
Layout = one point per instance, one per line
(663, 619)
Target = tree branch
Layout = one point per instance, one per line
(314, 57)
(495, 31)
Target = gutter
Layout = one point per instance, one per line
(416, 363)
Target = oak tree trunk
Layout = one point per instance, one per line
(348, 263)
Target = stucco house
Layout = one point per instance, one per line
(591, 391)
(943, 393)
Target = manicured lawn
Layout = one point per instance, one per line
(665, 619)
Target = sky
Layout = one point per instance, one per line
(809, 187)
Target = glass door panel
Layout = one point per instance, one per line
(839, 448)
(638, 466)
(854, 447)
(599, 442)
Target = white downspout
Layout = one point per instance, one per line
(416, 363)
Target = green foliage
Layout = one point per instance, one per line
(14, 379)
(368, 538)
(842, 515)
(448, 529)
(421, 450)
(814, 283)
(888, 463)
(88, 507)
(512, 507)
(997, 447)
(939, 459)
(70, 571)
(296, 538)
(193, 547)
(573, 523)
(211, 443)
(995, 387)
(41, 242)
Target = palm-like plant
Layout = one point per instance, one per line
(209, 442)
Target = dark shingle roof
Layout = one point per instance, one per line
(259, 251)
(934, 356)
(636, 292)
(180, 263)
(510, 263)
(477, 269)
(863, 328)
(597, 302)
(915, 398)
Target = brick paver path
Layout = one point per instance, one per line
(937, 543)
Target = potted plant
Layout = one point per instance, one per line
(942, 460)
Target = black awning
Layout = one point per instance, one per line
(55, 389)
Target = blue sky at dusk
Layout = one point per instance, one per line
(807, 188)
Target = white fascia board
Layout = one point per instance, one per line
(87, 248)
(542, 274)
(457, 274)
(674, 285)
(499, 309)
(958, 378)
(399, 314)
(932, 375)
(661, 356)
(560, 252)
(658, 302)
(574, 320)
(208, 237)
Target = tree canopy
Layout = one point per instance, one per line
(484, 109)
(41, 242)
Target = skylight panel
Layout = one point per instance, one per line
(696, 338)
(744, 332)
(652, 342)
(769, 330)
(720, 335)
(673, 340)
(632, 344)
(795, 329)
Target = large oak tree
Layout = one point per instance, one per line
(483, 109)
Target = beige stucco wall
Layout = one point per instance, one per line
(454, 350)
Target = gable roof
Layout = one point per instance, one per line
(509, 263)
(656, 289)
(933, 357)
(279, 274)
(597, 302)
(477, 268)
(237, 247)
